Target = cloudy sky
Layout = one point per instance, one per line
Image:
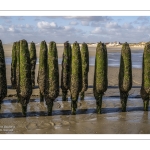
(75, 28)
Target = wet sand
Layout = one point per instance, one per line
(112, 75)
(86, 121)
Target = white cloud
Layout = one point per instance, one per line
(126, 32)
(89, 18)
(1, 28)
(85, 23)
(127, 26)
(102, 28)
(95, 24)
(112, 25)
(45, 25)
(67, 28)
(6, 19)
(97, 30)
(11, 29)
(143, 18)
(73, 23)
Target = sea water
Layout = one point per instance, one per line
(113, 59)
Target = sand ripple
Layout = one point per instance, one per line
(31, 126)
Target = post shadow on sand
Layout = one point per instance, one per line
(69, 99)
(89, 87)
(68, 112)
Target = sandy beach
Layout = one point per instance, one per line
(86, 121)
(112, 71)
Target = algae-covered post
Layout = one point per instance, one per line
(41, 79)
(145, 88)
(85, 69)
(65, 73)
(33, 62)
(13, 66)
(52, 77)
(100, 74)
(17, 67)
(25, 84)
(3, 81)
(125, 74)
(76, 76)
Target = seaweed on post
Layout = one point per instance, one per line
(41, 79)
(52, 77)
(65, 73)
(85, 69)
(17, 67)
(13, 66)
(76, 76)
(100, 74)
(33, 62)
(145, 88)
(125, 74)
(25, 84)
(3, 81)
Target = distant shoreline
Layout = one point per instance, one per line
(89, 45)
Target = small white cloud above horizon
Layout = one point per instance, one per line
(44, 24)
